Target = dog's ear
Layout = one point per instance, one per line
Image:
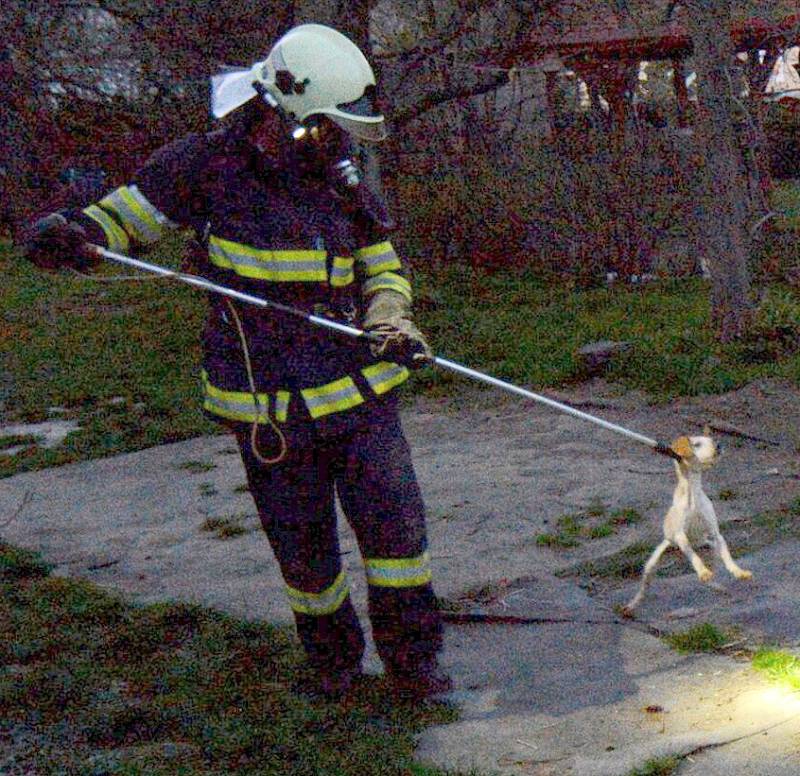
(683, 447)
(707, 430)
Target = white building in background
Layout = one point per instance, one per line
(785, 80)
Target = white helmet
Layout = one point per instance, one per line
(311, 70)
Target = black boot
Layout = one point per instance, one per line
(333, 686)
(336, 687)
(425, 680)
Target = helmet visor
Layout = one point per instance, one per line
(371, 130)
(361, 117)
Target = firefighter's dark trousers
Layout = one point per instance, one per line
(371, 471)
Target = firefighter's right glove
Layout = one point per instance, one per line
(396, 338)
(54, 242)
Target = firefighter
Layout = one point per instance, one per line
(277, 201)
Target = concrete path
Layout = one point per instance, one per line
(584, 693)
(577, 691)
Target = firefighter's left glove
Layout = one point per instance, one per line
(53, 242)
(396, 337)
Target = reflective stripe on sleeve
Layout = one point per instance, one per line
(342, 271)
(326, 601)
(142, 220)
(388, 280)
(398, 572)
(384, 376)
(378, 258)
(116, 237)
(274, 266)
(336, 396)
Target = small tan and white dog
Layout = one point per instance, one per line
(692, 517)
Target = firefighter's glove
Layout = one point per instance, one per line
(54, 242)
(396, 338)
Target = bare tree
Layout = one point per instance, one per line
(722, 201)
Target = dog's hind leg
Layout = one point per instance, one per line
(721, 548)
(647, 574)
(702, 571)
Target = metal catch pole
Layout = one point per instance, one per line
(207, 285)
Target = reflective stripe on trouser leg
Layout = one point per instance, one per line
(295, 503)
(398, 572)
(381, 498)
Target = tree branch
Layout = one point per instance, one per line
(448, 94)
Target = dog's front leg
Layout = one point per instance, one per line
(702, 571)
(649, 569)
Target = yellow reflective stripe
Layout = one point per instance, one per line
(339, 395)
(240, 405)
(384, 376)
(334, 397)
(398, 572)
(282, 406)
(261, 264)
(378, 258)
(142, 220)
(342, 271)
(387, 280)
(326, 601)
(373, 250)
(116, 237)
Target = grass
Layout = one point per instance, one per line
(226, 527)
(764, 528)
(77, 344)
(526, 331)
(92, 684)
(594, 522)
(7, 442)
(619, 566)
(779, 666)
(197, 467)
(662, 766)
(700, 638)
(786, 201)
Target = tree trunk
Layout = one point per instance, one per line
(758, 75)
(722, 207)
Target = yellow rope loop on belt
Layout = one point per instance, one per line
(248, 365)
(258, 408)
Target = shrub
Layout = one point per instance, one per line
(775, 329)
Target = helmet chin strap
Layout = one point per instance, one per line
(296, 129)
(343, 170)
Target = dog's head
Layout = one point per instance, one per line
(697, 452)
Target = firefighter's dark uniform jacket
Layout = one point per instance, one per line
(267, 233)
(275, 235)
